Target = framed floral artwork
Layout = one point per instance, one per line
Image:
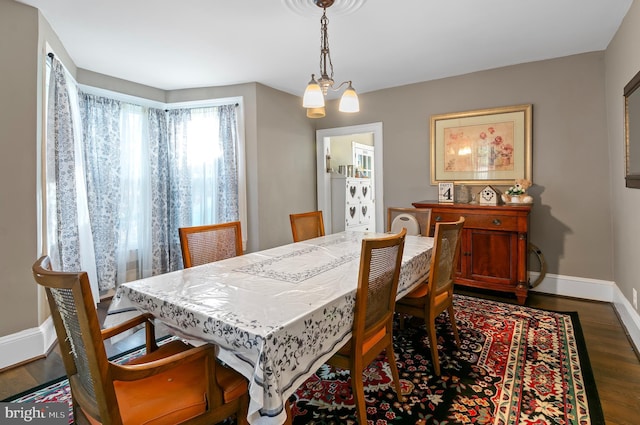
(485, 146)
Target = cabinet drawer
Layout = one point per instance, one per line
(492, 222)
(497, 222)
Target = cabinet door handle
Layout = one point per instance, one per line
(497, 222)
(438, 218)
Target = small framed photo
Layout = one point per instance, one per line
(445, 192)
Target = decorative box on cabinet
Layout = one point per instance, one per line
(352, 204)
(494, 245)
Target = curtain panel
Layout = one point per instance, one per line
(67, 234)
(228, 188)
(160, 171)
(101, 142)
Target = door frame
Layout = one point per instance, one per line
(323, 178)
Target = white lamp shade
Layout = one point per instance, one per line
(349, 101)
(313, 97)
(316, 112)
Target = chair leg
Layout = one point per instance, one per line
(433, 341)
(391, 358)
(287, 407)
(452, 318)
(401, 320)
(357, 386)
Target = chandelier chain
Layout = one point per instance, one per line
(326, 80)
(325, 54)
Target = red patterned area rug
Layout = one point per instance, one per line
(516, 365)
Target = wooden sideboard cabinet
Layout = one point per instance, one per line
(494, 245)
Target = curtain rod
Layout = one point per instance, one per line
(235, 104)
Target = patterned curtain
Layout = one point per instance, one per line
(162, 243)
(179, 195)
(127, 160)
(68, 235)
(101, 130)
(61, 176)
(227, 178)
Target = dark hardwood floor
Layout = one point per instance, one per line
(616, 366)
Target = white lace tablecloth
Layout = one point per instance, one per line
(277, 315)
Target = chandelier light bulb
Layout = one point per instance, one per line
(349, 101)
(313, 97)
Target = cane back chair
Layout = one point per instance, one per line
(306, 225)
(372, 332)
(435, 295)
(209, 243)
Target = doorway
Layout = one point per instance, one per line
(323, 143)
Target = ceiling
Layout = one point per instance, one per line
(376, 43)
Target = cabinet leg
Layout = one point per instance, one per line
(521, 292)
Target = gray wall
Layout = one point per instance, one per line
(286, 164)
(622, 60)
(19, 117)
(569, 223)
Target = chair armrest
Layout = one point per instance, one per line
(144, 370)
(146, 319)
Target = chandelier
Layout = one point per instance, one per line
(316, 90)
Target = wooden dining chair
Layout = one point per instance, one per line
(415, 220)
(435, 295)
(306, 225)
(209, 243)
(171, 384)
(372, 331)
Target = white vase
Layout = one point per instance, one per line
(515, 199)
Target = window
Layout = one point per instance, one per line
(143, 171)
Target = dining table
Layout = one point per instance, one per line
(277, 315)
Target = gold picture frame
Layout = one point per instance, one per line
(632, 132)
(485, 146)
